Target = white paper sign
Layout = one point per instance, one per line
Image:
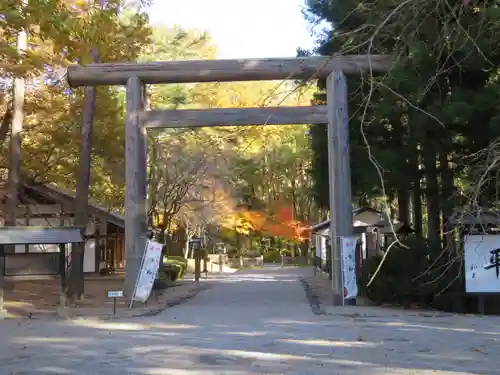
(115, 293)
(482, 263)
(148, 271)
(348, 248)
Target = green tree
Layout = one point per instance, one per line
(59, 33)
(413, 129)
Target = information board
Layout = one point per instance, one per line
(482, 263)
(148, 271)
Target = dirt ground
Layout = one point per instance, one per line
(40, 298)
(256, 322)
(320, 287)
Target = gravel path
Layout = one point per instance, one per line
(255, 322)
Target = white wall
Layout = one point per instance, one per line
(363, 245)
(317, 243)
(90, 248)
(89, 257)
(320, 242)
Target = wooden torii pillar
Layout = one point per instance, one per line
(134, 76)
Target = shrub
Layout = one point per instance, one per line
(272, 256)
(163, 280)
(172, 269)
(410, 276)
(402, 278)
(175, 266)
(160, 284)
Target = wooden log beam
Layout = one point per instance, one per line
(234, 117)
(224, 70)
(135, 209)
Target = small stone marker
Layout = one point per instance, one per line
(115, 294)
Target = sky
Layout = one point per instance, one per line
(241, 28)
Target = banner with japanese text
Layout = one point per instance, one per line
(148, 271)
(348, 248)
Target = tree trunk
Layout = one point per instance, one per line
(6, 121)
(401, 137)
(447, 190)
(413, 166)
(404, 203)
(14, 178)
(238, 244)
(75, 288)
(417, 208)
(390, 203)
(178, 241)
(186, 246)
(432, 196)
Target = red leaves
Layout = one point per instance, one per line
(281, 224)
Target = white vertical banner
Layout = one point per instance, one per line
(348, 248)
(148, 271)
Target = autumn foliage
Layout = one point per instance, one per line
(281, 224)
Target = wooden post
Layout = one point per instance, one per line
(27, 217)
(143, 165)
(75, 285)
(62, 276)
(205, 265)
(197, 266)
(344, 221)
(101, 242)
(339, 177)
(481, 304)
(135, 208)
(335, 261)
(2, 272)
(97, 242)
(63, 270)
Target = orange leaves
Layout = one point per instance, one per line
(284, 214)
(255, 219)
(291, 230)
(244, 222)
(280, 225)
(302, 231)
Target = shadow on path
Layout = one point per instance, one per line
(253, 322)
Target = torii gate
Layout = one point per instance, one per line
(135, 76)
